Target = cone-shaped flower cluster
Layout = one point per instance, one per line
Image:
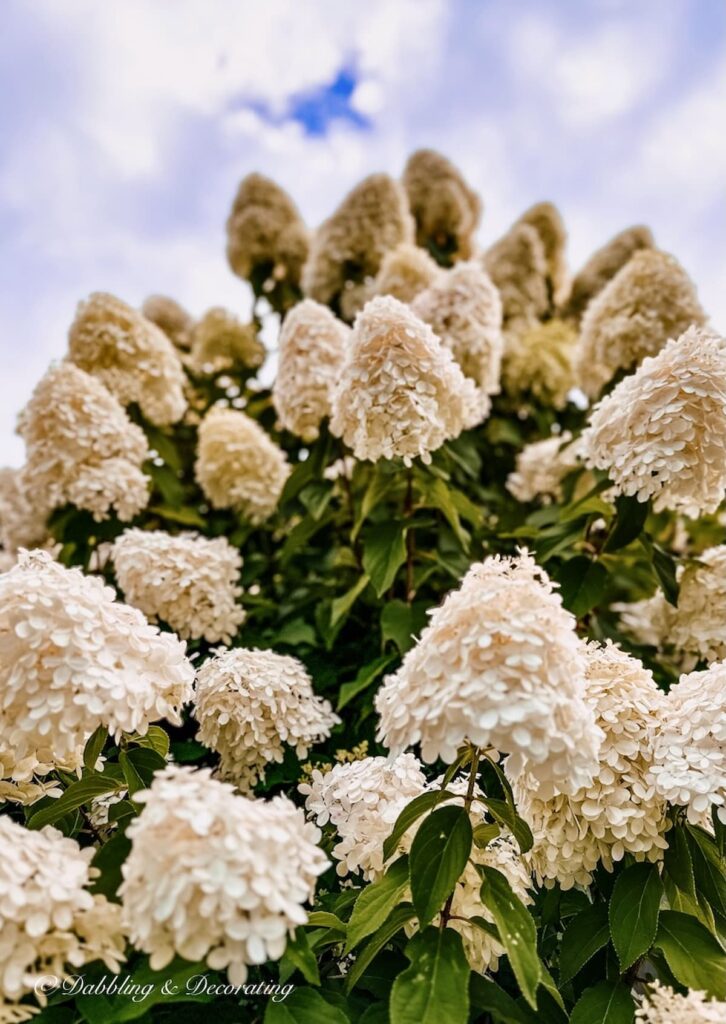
(664, 1006)
(401, 393)
(517, 264)
(216, 876)
(603, 265)
(81, 447)
(312, 348)
(650, 300)
(541, 467)
(130, 355)
(249, 704)
(73, 658)
(698, 625)
(171, 318)
(499, 665)
(21, 525)
(620, 811)
(349, 247)
(540, 361)
(547, 221)
(50, 924)
(238, 465)
(188, 581)
(265, 232)
(222, 342)
(690, 748)
(447, 212)
(661, 432)
(405, 271)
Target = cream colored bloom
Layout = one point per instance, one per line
(661, 432)
(348, 248)
(405, 271)
(21, 524)
(499, 665)
(81, 447)
(238, 465)
(446, 210)
(130, 355)
(517, 264)
(215, 876)
(699, 621)
(464, 310)
(690, 748)
(220, 341)
(649, 621)
(664, 1006)
(50, 924)
(547, 221)
(265, 232)
(541, 467)
(188, 581)
(312, 348)
(170, 317)
(250, 704)
(539, 361)
(620, 811)
(401, 393)
(603, 265)
(73, 658)
(650, 300)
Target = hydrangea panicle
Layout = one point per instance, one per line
(170, 317)
(602, 266)
(265, 232)
(220, 341)
(446, 210)
(405, 271)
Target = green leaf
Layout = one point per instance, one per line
(484, 834)
(708, 868)
(586, 933)
(517, 930)
(301, 957)
(156, 739)
(434, 989)
(78, 794)
(435, 494)
(295, 632)
(696, 958)
(412, 812)
(504, 813)
(94, 746)
(138, 766)
(487, 996)
(439, 853)
(304, 1006)
(323, 919)
(400, 622)
(384, 552)
(634, 909)
(677, 860)
(664, 567)
(608, 1002)
(316, 497)
(342, 605)
(400, 916)
(378, 488)
(108, 859)
(582, 584)
(376, 901)
(630, 517)
(367, 675)
(182, 514)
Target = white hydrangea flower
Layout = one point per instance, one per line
(661, 432)
(541, 467)
(170, 317)
(362, 799)
(130, 355)
(405, 271)
(250, 703)
(216, 876)
(539, 362)
(517, 264)
(188, 581)
(81, 447)
(238, 465)
(699, 622)
(446, 210)
(648, 621)
(21, 524)
(620, 811)
(311, 350)
(690, 749)
(265, 231)
(499, 665)
(401, 393)
(220, 341)
(664, 1006)
(465, 311)
(49, 922)
(73, 658)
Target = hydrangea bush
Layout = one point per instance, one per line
(381, 671)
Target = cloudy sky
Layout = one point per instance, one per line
(125, 127)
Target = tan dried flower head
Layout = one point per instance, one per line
(664, 1006)
(690, 748)
(216, 876)
(73, 658)
(170, 317)
(401, 393)
(81, 447)
(188, 581)
(312, 348)
(539, 361)
(49, 922)
(405, 271)
(21, 524)
(238, 465)
(517, 264)
(464, 310)
(499, 665)
(547, 221)
(130, 355)
(446, 210)
(349, 247)
(661, 432)
(620, 811)
(650, 300)
(250, 704)
(220, 341)
(541, 467)
(265, 232)
(603, 265)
